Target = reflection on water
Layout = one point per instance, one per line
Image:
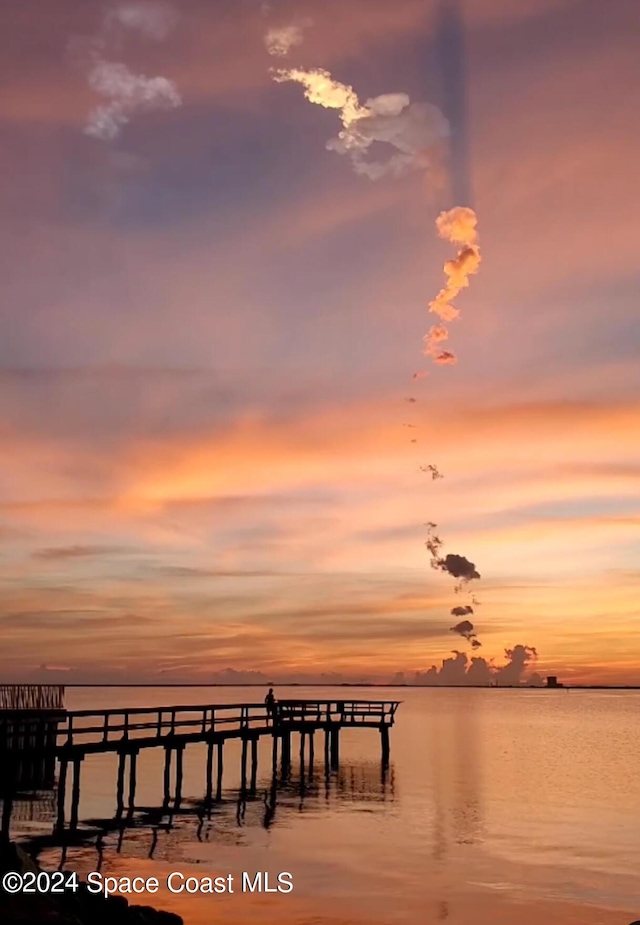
(530, 794)
(457, 777)
(162, 828)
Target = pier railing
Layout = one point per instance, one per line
(103, 728)
(107, 730)
(31, 697)
(347, 712)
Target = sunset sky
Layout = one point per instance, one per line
(210, 324)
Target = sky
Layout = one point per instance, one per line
(210, 323)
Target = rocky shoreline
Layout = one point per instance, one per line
(69, 908)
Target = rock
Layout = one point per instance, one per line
(149, 916)
(80, 908)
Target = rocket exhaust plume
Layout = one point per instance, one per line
(461, 611)
(279, 40)
(410, 128)
(466, 629)
(433, 469)
(460, 568)
(457, 566)
(458, 225)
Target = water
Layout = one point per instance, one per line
(492, 796)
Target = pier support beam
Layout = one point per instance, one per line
(286, 753)
(122, 763)
(75, 793)
(167, 774)
(179, 774)
(209, 770)
(254, 764)
(62, 794)
(133, 760)
(335, 746)
(243, 764)
(219, 770)
(384, 741)
(311, 752)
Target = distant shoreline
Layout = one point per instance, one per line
(503, 687)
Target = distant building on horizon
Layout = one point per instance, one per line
(552, 681)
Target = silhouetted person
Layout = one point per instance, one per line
(270, 703)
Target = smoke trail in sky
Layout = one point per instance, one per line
(462, 611)
(458, 225)
(280, 40)
(125, 92)
(433, 470)
(411, 128)
(459, 567)
(152, 19)
(465, 628)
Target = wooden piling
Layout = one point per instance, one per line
(286, 750)
(62, 793)
(167, 774)
(311, 751)
(122, 763)
(384, 740)
(209, 770)
(179, 773)
(75, 793)
(254, 764)
(133, 759)
(335, 745)
(219, 769)
(243, 763)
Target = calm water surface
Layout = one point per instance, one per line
(531, 793)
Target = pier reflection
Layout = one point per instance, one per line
(162, 831)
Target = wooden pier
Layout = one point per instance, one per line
(70, 737)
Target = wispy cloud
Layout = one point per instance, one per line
(126, 93)
(152, 19)
(66, 553)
